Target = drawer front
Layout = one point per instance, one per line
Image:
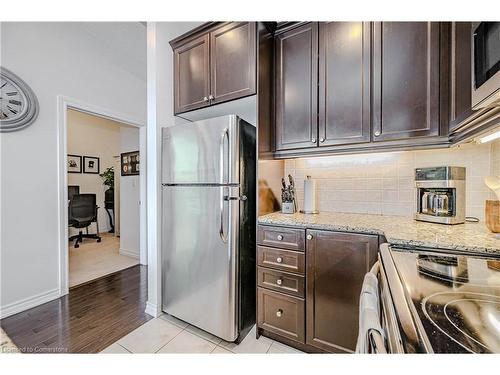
(285, 238)
(288, 283)
(281, 314)
(283, 260)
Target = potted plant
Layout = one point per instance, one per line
(109, 195)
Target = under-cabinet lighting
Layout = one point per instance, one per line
(489, 137)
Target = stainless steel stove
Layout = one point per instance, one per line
(444, 302)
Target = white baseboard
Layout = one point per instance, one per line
(28, 303)
(129, 253)
(152, 309)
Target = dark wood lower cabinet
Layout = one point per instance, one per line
(313, 307)
(335, 267)
(281, 314)
(279, 281)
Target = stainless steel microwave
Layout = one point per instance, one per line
(485, 64)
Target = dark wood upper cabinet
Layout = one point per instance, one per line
(336, 264)
(192, 75)
(296, 80)
(406, 81)
(233, 61)
(214, 63)
(344, 82)
(460, 73)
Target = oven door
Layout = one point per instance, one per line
(485, 64)
(388, 315)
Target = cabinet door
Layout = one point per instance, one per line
(336, 264)
(232, 58)
(344, 82)
(296, 88)
(460, 71)
(191, 75)
(405, 80)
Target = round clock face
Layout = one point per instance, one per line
(18, 104)
(12, 100)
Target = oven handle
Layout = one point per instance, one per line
(398, 295)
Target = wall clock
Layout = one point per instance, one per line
(18, 103)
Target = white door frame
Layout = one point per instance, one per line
(63, 104)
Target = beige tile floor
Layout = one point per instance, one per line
(95, 259)
(167, 334)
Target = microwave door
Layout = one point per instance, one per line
(485, 64)
(202, 152)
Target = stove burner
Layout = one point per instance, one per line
(472, 320)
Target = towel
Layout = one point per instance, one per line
(369, 310)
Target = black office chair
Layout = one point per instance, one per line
(82, 213)
(72, 191)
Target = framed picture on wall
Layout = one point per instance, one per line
(74, 164)
(130, 163)
(91, 165)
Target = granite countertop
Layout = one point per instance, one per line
(397, 230)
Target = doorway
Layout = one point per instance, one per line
(100, 156)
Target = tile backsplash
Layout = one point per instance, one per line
(383, 183)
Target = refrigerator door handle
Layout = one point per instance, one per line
(223, 237)
(225, 133)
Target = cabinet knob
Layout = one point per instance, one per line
(211, 97)
(279, 281)
(205, 99)
(313, 140)
(279, 313)
(322, 139)
(309, 236)
(376, 133)
(279, 259)
(280, 237)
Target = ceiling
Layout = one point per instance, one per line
(123, 43)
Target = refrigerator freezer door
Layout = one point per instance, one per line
(202, 152)
(199, 257)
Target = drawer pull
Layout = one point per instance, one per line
(279, 313)
(279, 281)
(280, 237)
(279, 259)
(309, 237)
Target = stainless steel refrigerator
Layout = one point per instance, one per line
(208, 219)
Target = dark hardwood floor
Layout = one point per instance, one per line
(87, 320)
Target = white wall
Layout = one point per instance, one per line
(160, 113)
(129, 198)
(93, 136)
(54, 59)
